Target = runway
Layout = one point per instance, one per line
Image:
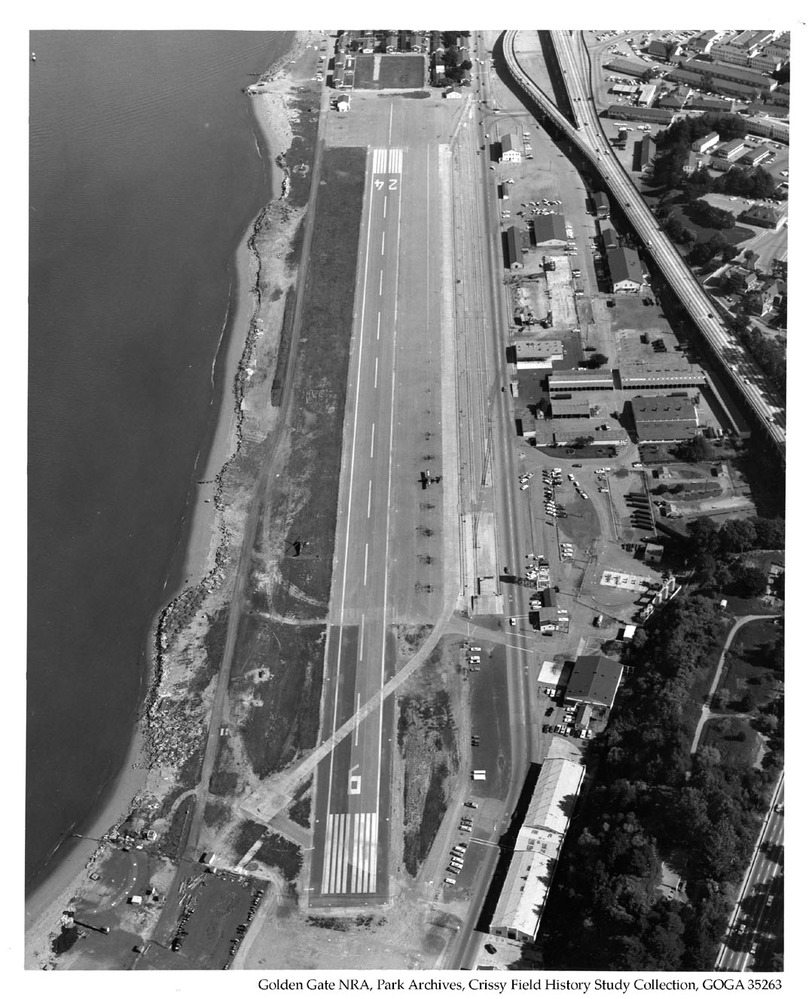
(375, 539)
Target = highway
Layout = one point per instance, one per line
(758, 917)
(589, 138)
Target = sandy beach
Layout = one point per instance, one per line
(207, 532)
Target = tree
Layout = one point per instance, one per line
(583, 441)
(598, 360)
(710, 217)
(750, 581)
(697, 449)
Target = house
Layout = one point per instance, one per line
(454, 93)
(549, 229)
(706, 142)
(514, 249)
(664, 418)
(594, 680)
(764, 216)
(602, 204)
(343, 102)
(626, 273)
(392, 43)
(768, 297)
(510, 149)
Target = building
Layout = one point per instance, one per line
(720, 104)
(525, 421)
(510, 149)
(702, 44)
(514, 248)
(566, 432)
(657, 116)
(648, 150)
(549, 229)
(602, 204)
(627, 67)
(644, 376)
(769, 129)
(753, 157)
(569, 408)
(739, 90)
(594, 680)
(764, 216)
(729, 151)
(624, 89)
(581, 380)
(530, 354)
(706, 142)
(732, 74)
(686, 78)
(608, 237)
(675, 100)
(664, 418)
(454, 93)
(663, 51)
(626, 273)
(647, 94)
(539, 842)
(772, 110)
(766, 62)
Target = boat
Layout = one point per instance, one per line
(33, 57)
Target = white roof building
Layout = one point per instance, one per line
(539, 841)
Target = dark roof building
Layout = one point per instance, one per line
(602, 204)
(594, 680)
(642, 375)
(626, 272)
(514, 248)
(628, 67)
(576, 409)
(549, 229)
(656, 116)
(648, 150)
(734, 74)
(579, 380)
(764, 216)
(608, 237)
(664, 418)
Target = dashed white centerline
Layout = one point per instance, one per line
(373, 433)
(385, 207)
(365, 570)
(362, 636)
(370, 486)
(381, 275)
(378, 323)
(382, 253)
(357, 729)
(376, 370)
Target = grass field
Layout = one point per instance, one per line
(395, 72)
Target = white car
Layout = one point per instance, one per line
(450, 881)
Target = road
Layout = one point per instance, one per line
(589, 138)
(757, 920)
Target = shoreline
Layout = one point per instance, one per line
(207, 538)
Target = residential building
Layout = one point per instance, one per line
(510, 149)
(454, 93)
(514, 260)
(664, 418)
(343, 102)
(706, 142)
(626, 273)
(539, 842)
(594, 680)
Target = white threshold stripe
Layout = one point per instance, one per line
(352, 841)
(324, 881)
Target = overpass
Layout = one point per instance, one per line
(587, 135)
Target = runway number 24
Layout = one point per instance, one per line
(393, 184)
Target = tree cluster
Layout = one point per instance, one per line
(650, 799)
(714, 553)
(768, 352)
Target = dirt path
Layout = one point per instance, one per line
(706, 709)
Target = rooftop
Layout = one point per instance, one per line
(594, 679)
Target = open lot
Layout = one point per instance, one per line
(390, 72)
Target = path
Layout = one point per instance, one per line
(706, 707)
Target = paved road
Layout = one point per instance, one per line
(588, 136)
(757, 923)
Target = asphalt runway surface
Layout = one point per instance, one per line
(379, 511)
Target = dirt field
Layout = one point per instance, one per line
(390, 72)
